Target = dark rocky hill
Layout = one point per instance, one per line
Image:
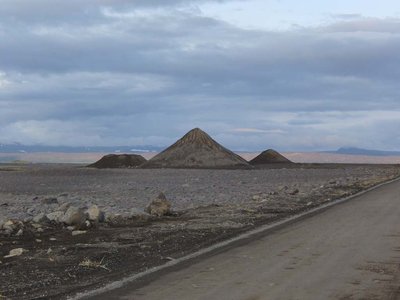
(269, 156)
(197, 149)
(119, 161)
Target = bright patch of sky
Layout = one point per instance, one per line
(288, 14)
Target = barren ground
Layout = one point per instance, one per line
(210, 205)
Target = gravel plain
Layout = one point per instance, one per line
(118, 190)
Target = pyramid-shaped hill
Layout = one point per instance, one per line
(197, 150)
(269, 156)
(113, 161)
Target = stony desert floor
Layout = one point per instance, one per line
(208, 206)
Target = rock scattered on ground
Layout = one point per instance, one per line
(55, 216)
(40, 218)
(80, 219)
(86, 204)
(16, 252)
(159, 207)
(78, 232)
(9, 226)
(95, 214)
(74, 216)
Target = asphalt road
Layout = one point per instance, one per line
(350, 251)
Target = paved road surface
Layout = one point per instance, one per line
(350, 251)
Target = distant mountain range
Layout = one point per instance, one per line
(360, 151)
(19, 148)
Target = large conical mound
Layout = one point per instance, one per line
(119, 161)
(197, 149)
(269, 156)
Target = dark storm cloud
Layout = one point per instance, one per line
(110, 66)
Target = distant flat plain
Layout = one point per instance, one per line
(298, 157)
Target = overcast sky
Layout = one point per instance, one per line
(255, 74)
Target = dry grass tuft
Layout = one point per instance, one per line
(88, 263)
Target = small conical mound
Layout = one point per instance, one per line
(119, 161)
(269, 156)
(197, 149)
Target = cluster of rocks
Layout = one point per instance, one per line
(79, 219)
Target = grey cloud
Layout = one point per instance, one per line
(364, 24)
(147, 78)
(76, 11)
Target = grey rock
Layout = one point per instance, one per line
(116, 219)
(159, 206)
(78, 232)
(95, 214)
(16, 252)
(56, 216)
(74, 216)
(9, 226)
(40, 218)
(138, 214)
(64, 207)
